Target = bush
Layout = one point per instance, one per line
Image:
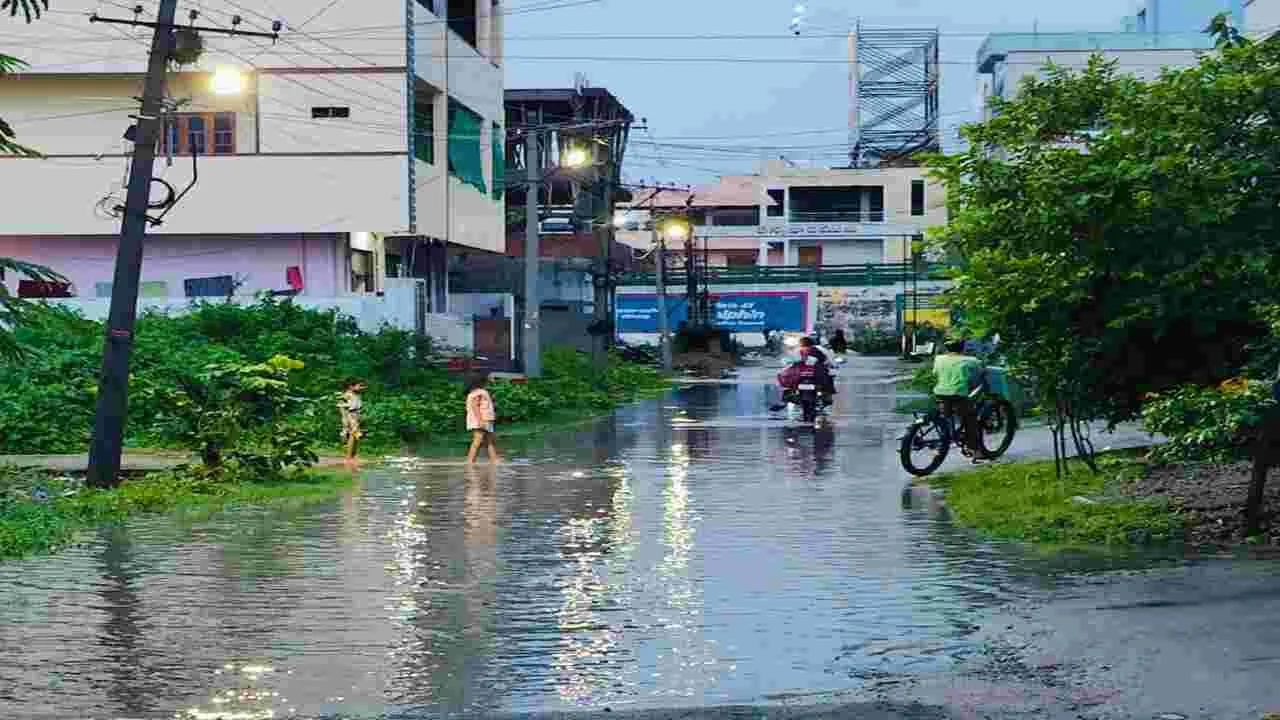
(875, 341)
(1209, 422)
(207, 380)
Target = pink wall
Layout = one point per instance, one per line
(259, 259)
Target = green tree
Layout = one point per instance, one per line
(1121, 235)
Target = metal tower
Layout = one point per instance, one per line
(893, 93)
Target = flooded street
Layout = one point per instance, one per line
(685, 552)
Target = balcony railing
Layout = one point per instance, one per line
(875, 274)
(832, 216)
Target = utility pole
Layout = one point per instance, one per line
(532, 258)
(664, 322)
(113, 387)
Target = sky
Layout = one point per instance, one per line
(802, 103)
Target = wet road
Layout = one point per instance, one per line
(689, 552)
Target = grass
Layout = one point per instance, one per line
(1026, 502)
(41, 512)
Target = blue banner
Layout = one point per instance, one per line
(736, 312)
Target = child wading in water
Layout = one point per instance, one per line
(349, 407)
(480, 418)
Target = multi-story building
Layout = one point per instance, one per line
(1163, 33)
(364, 144)
(1262, 17)
(787, 215)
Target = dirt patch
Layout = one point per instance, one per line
(1213, 496)
(705, 364)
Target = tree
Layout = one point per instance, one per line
(1121, 235)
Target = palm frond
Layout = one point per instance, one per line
(28, 7)
(14, 310)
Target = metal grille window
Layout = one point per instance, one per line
(424, 139)
(917, 197)
(200, 131)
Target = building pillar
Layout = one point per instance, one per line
(763, 258)
(786, 251)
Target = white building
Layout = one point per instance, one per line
(359, 146)
(1262, 17)
(787, 215)
(1162, 34)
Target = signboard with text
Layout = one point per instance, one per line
(736, 312)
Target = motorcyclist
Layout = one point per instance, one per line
(809, 348)
(958, 374)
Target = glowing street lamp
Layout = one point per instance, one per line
(576, 158)
(227, 81)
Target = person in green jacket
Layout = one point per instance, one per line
(958, 375)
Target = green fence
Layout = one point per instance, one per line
(827, 275)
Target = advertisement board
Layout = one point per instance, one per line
(736, 312)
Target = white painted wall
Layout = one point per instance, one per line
(248, 194)
(1262, 17)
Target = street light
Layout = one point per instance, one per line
(576, 158)
(675, 230)
(227, 81)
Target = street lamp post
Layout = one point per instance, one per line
(574, 158)
(676, 231)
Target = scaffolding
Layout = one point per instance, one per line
(893, 93)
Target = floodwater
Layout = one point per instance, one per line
(690, 551)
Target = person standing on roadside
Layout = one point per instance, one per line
(349, 406)
(481, 417)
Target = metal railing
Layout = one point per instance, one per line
(871, 274)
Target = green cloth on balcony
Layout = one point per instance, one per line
(465, 161)
(499, 163)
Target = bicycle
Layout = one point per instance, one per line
(937, 432)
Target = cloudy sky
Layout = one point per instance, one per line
(724, 113)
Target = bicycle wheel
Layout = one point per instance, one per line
(997, 423)
(929, 441)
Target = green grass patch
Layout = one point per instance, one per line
(41, 512)
(1027, 502)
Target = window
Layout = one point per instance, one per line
(224, 134)
(917, 198)
(779, 198)
(424, 138)
(318, 113)
(217, 286)
(465, 160)
(393, 265)
(200, 132)
(736, 216)
(463, 19)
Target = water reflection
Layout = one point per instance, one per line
(684, 551)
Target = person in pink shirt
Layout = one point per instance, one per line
(480, 418)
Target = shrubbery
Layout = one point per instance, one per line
(267, 376)
(875, 341)
(1209, 423)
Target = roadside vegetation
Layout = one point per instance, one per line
(1028, 502)
(41, 511)
(1119, 236)
(250, 394)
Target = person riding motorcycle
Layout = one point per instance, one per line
(958, 374)
(809, 348)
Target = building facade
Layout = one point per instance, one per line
(787, 215)
(362, 145)
(1262, 17)
(1160, 34)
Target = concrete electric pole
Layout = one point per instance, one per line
(532, 259)
(113, 386)
(664, 322)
